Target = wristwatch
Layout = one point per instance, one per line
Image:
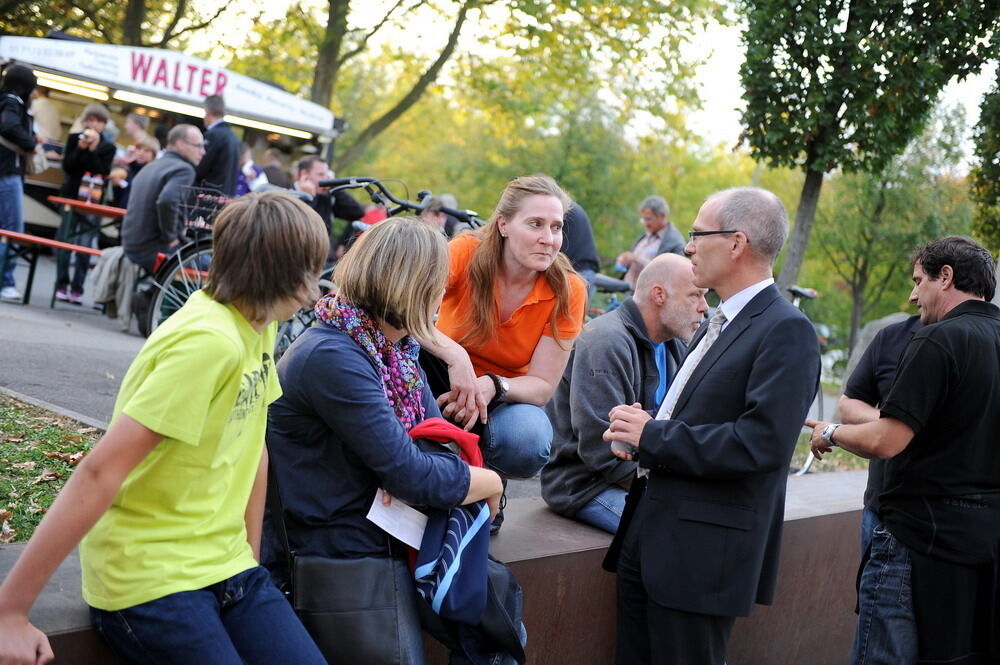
(828, 434)
(500, 386)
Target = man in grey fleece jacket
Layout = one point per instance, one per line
(614, 362)
(152, 222)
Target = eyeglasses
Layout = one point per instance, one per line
(193, 144)
(694, 235)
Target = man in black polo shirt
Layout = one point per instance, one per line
(865, 393)
(929, 589)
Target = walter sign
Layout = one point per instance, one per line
(167, 74)
(174, 76)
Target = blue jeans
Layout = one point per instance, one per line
(869, 522)
(11, 217)
(241, 620)
(516, 440)
(887, 631)
(605, 510)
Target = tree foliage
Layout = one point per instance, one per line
(985, 176)
(156, 23)
(845, 84)
(873, 221)
(630, 49)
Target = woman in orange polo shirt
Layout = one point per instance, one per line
(513, 302)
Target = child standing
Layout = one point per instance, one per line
(171, 498)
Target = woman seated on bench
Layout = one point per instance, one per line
(515, 305)
(352, 390)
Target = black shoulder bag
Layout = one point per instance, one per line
(349, 606)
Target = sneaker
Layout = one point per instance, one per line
(10, 294)
(498, 520)
(76, 298)
(62, 295)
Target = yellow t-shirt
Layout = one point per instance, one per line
(203, 380)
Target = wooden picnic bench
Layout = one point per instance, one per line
(28, 248)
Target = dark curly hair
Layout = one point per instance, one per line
(973, 267)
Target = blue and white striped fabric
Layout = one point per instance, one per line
(451, 566)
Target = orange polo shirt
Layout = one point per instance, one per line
(509, 352)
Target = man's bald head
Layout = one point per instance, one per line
(665, 270)
(670, 303)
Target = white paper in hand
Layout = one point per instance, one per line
(399, 520)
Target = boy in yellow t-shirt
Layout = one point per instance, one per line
(169, 502)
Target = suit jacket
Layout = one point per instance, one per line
(220, 165)
(713, 507)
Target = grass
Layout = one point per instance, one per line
(38, 450)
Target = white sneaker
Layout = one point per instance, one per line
(10, 294)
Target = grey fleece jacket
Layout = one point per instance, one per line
(611, 364)
(153, 218)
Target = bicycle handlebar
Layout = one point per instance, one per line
(338, 184)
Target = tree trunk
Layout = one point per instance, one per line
(328, 57)
(804, 215)
(857, 310)
(382, 123)
(135, 14)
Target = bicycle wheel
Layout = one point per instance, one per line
(179, 277)
(288, 331)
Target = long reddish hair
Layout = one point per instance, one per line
(482, 319)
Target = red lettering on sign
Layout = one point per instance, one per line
(220, 82)
(205, 90)
(140, 66)
(191, 70)
(161, 74)
(177, 77)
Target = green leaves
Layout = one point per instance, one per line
(847, 83)
(984, 180)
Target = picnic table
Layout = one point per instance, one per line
(72, 207)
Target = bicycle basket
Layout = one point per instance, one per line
(200, 205)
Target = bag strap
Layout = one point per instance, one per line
(277, 510)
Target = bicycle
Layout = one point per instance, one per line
(379, 194)
(610, 287)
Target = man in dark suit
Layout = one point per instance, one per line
(221, 164)
(698, 543)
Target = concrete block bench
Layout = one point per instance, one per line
(570, 600)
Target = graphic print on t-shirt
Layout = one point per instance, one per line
(253, 389)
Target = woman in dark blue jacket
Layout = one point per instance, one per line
(352, 390)
(15, 127)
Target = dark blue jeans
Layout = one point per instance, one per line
(11, 219)
(605, 510)
(887, 631)
(84, 231)
(516, 440)
(241, 620)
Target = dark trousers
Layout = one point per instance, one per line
(650, 634)
(85, 229)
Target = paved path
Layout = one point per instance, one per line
(71, 356)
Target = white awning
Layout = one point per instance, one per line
(179, 82)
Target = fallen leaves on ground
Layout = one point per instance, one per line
(70, 458)
(46, 476)
(7, 533)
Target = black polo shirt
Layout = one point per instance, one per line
(871, 380)
(941, 493)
